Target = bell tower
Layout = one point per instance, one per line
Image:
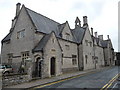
(77, 22)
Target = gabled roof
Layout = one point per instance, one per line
(42, 43)
(7, 38)
(61, 26)
(78, 34)
(97, 40)
(103, 43)
(42, 23)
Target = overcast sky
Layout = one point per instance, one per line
(102, 14)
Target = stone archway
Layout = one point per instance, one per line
(52, 66)
(38, 67)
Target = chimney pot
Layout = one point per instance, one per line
(108, 37)
(85, 20)
(12, 23)
(17, 8)
(100, 37)
(96, 34)
(92, 31)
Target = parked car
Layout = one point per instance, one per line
(6, 69)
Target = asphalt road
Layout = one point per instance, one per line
(92, 80)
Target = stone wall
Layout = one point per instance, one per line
(67, 70)
(14, 79)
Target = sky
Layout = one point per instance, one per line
(102, 14)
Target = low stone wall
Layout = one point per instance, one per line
(66, 70)
(14, 79)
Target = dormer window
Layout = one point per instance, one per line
(21, 34)
(67, 36)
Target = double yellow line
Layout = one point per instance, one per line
(54, 82)
(106, 86)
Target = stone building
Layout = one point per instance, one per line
(51, 47)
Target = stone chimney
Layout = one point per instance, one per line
(12, 23)
(108, 37)
(96, 34)
(77, 22)
(17, 8)
(85, 22)
(100, 37)
(91, 31)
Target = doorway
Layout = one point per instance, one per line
(38, 67)
(52, 66)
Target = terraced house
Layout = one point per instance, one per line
(51, 47)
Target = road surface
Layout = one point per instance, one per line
(101, 79)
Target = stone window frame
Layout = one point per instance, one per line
(53, 40)
(67, 36)
(90, 44)
(86, 41)
(74, 59)
(67, 47)
(10, 56)
(25, 55)
(21, 34)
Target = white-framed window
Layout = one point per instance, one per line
(21, 34)
(25, 55)
(67, 47)
(10, 56)
(74, 61)
(67, 36)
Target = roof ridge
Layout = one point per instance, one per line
(43, 15)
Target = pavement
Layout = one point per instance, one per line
(54, 79)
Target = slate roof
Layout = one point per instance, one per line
(61, 27)
(104, 43)
(42, 23)
(7, 38)
(78, 34)
(42, 43)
